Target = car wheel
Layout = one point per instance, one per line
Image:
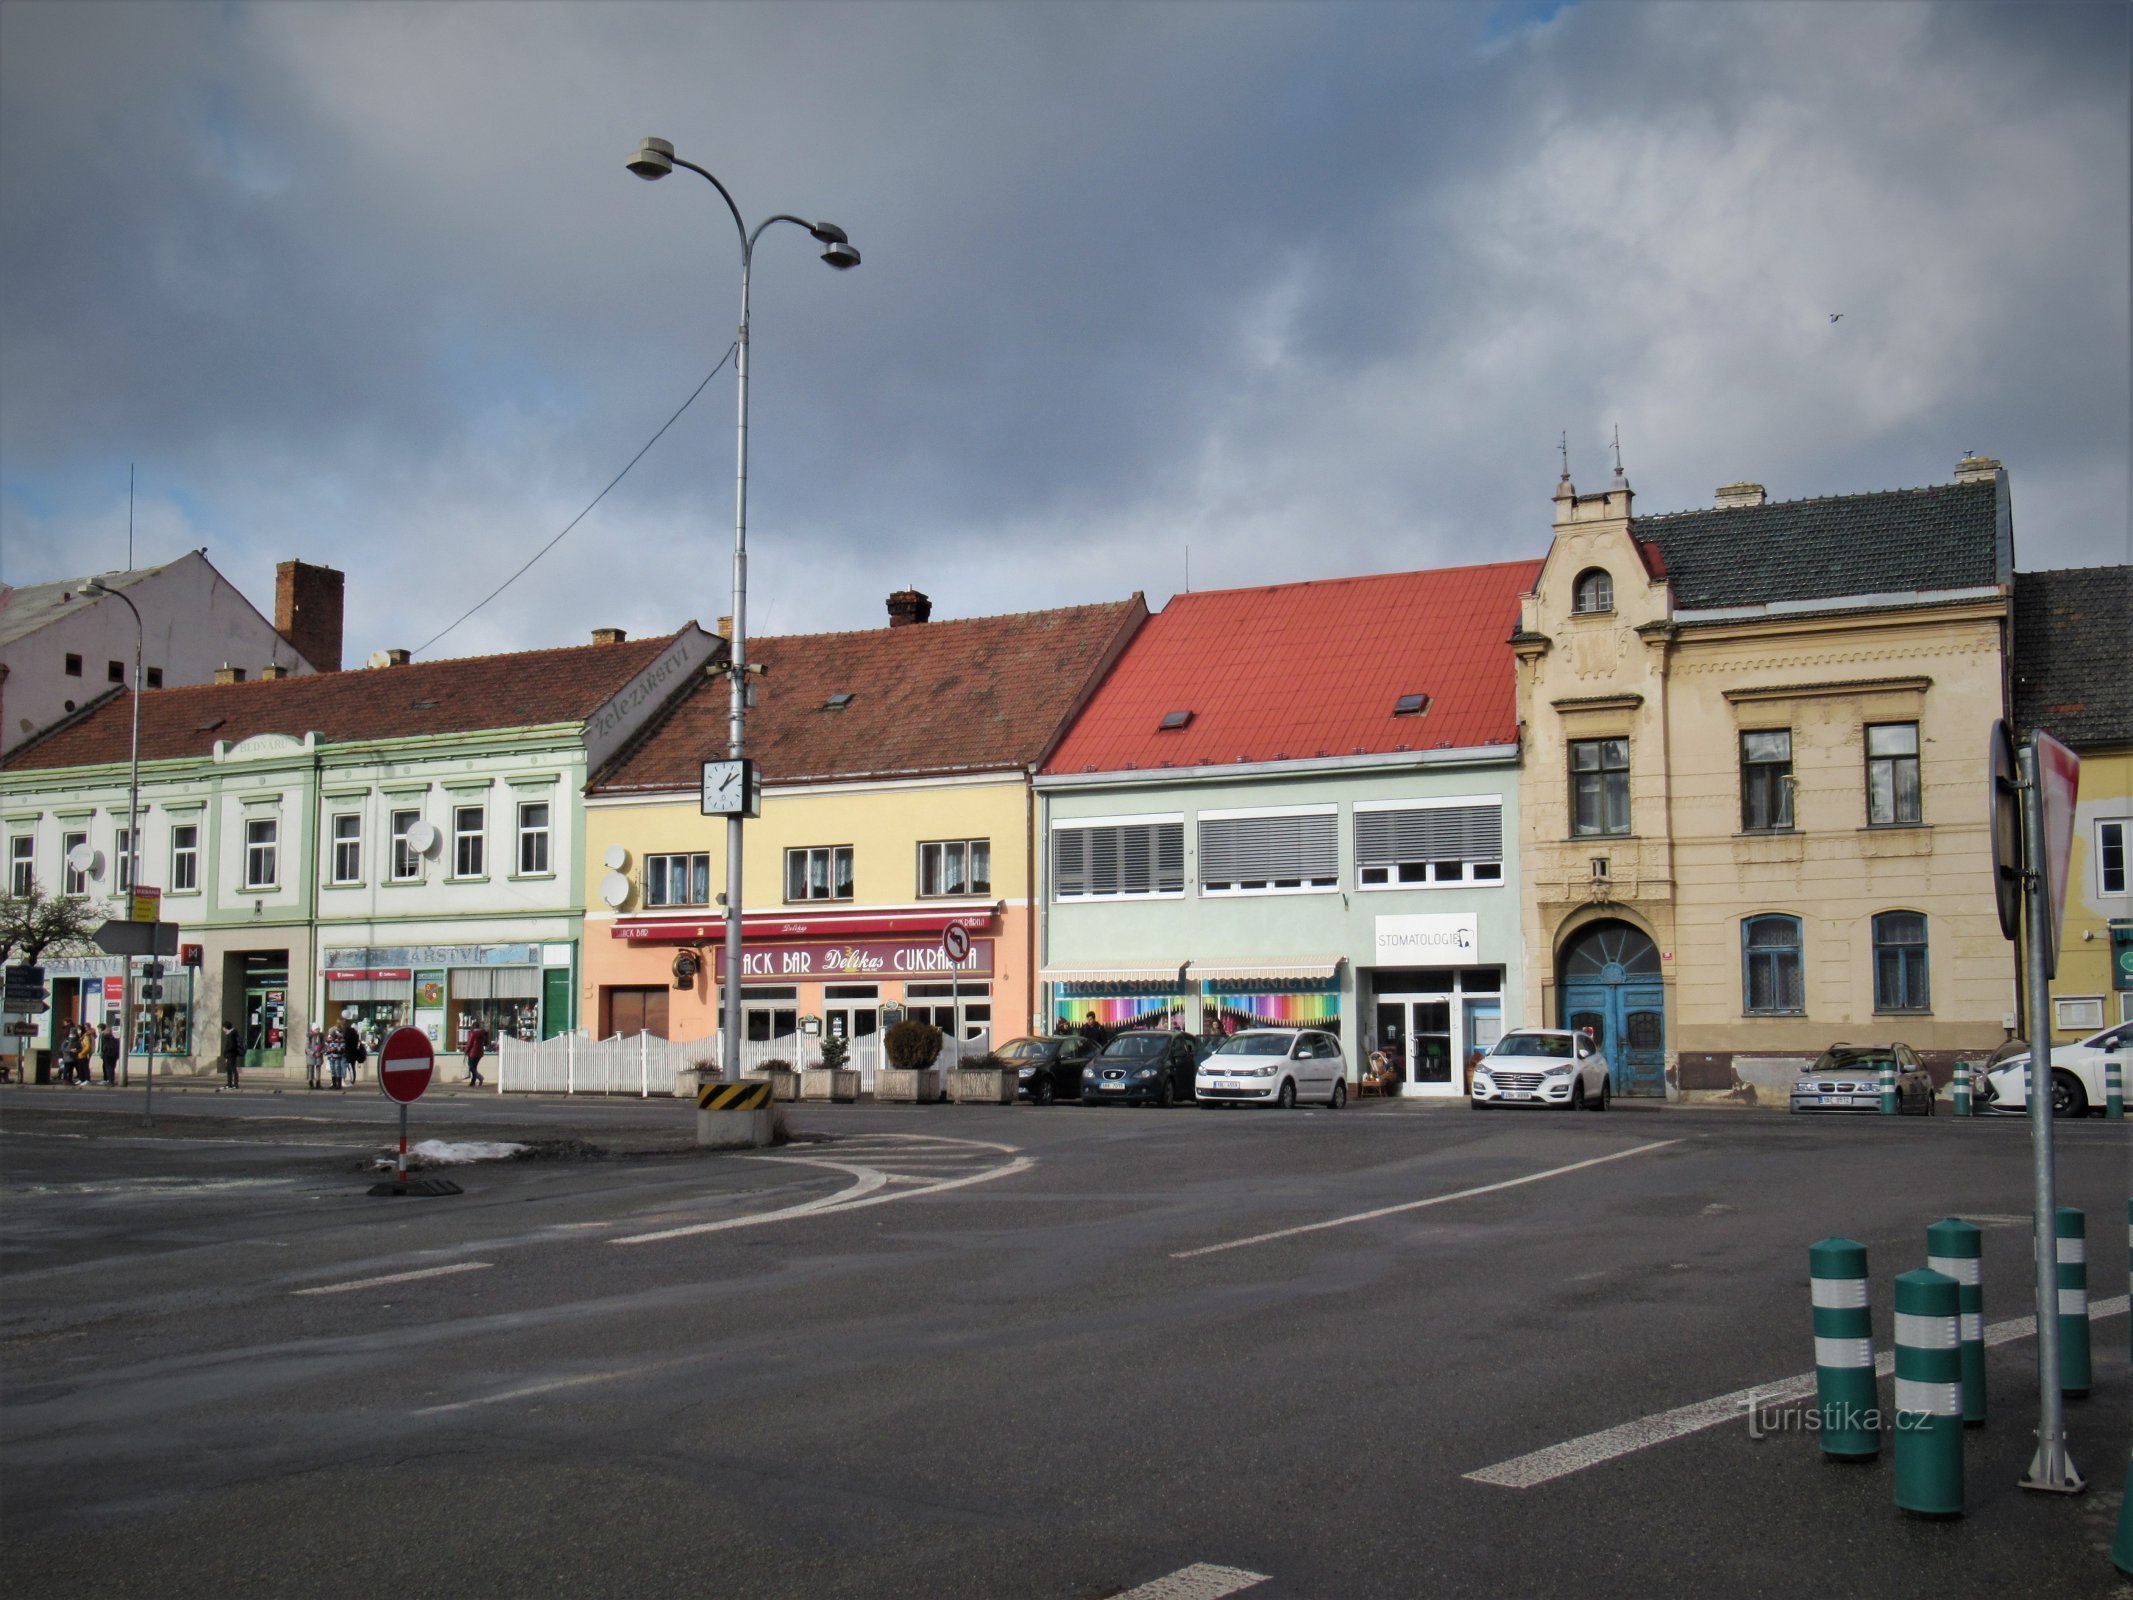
(1162, 1093)
(2069, 1099)
(1606, 1094)
(1287, 1098)
(1340, 1093)
(1042, 1092)
(1577, 1095)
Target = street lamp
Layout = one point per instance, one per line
(655, 158)
(97, 589)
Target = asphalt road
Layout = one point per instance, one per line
(961, 1351)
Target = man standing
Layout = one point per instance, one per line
(477, 1047)
(107, 1051)
(232, 1053)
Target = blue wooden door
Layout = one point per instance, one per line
(1611, 987)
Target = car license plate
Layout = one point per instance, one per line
(1518, 1094)
(1111, 1086)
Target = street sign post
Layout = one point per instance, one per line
(2004, 816)
(404, 1069)
(955, 945)
(2058, 785)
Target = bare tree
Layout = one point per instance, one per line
(34, 924)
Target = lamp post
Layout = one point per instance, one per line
(655, 158)
(96, 588)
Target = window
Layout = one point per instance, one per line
(468, 857)
(115, 671)
(1269, 852)
(955, 866)
(262, 838)
(1891, 774)
(677, 880)
(348, 847)
(1595, 592)
(1770, 949)
(1599, 786)
(185, 858)
(122, 858)
(1900, 962)
(822, 873)
(2080, 1013)
(73, 665)
(21, 864)
(1766, 781)
(2111, 856)
(74, 882)
(1104, 860)
(533, 838)
(407, 860)
(1410, 845)
(153, 677)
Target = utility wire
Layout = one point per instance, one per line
(596, 499)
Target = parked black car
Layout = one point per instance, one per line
(1142, 1068)
(1048, 1069)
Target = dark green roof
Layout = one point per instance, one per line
(2073, 655)
(1896, 541)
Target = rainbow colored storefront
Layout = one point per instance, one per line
(1120, 1001)
(1222, 999)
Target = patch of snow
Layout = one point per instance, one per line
(450, 1153)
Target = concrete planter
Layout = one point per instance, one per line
(919, 1085)
(784, 1082)
(824, 1083)
(983, 1086)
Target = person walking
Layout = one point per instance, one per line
(477, 1047)
(84, 1053)
(351, 1051)
(232, 1053)
(314, 1055)
(107, 1051)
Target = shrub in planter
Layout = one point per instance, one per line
(835, 1052)
(912, 1044)
(774, 1064)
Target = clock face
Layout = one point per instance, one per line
(725, 788)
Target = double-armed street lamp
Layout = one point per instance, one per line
(655, 158)
(97, 589)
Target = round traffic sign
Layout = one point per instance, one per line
(2004, 827)
(955, 942)
(405, 1064)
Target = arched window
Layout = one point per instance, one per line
(1900, 962)
(1595, 591)
(1771, 982)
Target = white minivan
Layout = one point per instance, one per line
(1541, 1067)
(1273, 1067)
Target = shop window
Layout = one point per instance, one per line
(533, 838)
(1771, 977)
(73, 882)
(2111, 856)
(1892, 788)
(185, 858)
(1595, 591)
(937, 1003)
(1900, 962)
(262, 852)
(21, 864)
(1093, 861)
(469, 842)
(407, 860)
(955, 866)
(1411, 845)
(1766, 780)
(1599, 787)
(823, 872)
(1269, 852)
(677, 880)
(348, 847)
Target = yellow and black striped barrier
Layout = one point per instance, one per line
(733, 1096)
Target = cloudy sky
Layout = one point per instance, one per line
(1304, 290)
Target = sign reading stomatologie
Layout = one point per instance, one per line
(1446, 939)
(860, 959)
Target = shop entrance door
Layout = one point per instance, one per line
(1418, 1033)
(1611, 986)
(859, 1026)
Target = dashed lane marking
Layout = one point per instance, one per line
(1417, 1205)
(397, 1277)
(1575, 1455)
(1200, 1581)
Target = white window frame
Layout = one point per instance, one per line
(470, 865)
(352, 843)
(21, 863)
(406, 859)
(969, 849)
(72, 882)
(2123, 827)
(184, 859)
(1468, 877)
(122, 858)
(1147, 819)
(658, 873)
(529, 834)
(258, 851)
(2077, 1013)
(1238, 888)
(809, 852)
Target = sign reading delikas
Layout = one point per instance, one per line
(1447, 939)
(866, 959)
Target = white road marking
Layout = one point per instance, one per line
(1200, 1581)
(397, 1277)
(556, 1384)
(1575, 1455)
(1417, 1205)
(864, 1183)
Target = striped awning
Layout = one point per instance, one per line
(1253, 971)
(1167, 974)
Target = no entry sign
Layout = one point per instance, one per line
(405, 1064)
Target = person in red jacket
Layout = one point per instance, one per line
(477, 1047)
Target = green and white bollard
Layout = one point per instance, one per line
(2072, 1254)
(2114, 1088)
(1961, 1086)
(1929, 1395)
(1955, 1248)
(1888, 1086)
(2122, 1546)
(2129, 1268)
(1848, 1399)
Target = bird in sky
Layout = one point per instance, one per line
(1836, 316)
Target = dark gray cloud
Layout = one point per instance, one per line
(1310, 289)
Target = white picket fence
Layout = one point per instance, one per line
(644, 1064)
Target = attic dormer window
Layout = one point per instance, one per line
(1595, 591)
(1410, 705)
(210, 727)
(423, 705)
(838, 701)
(1173, 720)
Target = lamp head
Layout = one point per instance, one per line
(828, 233)
(654, 158)
(841, 256)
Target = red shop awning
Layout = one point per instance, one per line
(666, 928)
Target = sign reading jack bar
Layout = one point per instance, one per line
(867, 959)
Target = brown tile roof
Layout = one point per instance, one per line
(525, 689)
(972, 695)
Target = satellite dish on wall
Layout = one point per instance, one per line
(85, 858)
(614, 890)
(422, 838)
(616, 858)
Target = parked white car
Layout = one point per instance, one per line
(1542, 1067)
(2077, 1075)
(1273, 1066)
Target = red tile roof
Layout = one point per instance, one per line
(526, 689)
(1297, 671)
(973, 695)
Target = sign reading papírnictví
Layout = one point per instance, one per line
(860, 960)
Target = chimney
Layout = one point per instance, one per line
(907, 608)
(725, 628)
(1740, 494)
(1976, 469)
(395, 657)
(229, 674)
(608, 636)
(307, 612)
(269, 674)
